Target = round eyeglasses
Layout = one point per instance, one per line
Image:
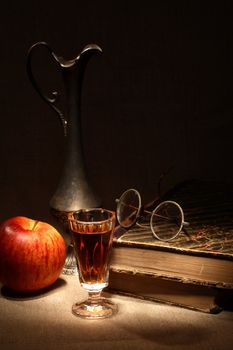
(166, 220)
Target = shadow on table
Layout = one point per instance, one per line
(13, 295)
(177, 333)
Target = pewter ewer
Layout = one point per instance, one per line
(74, 190)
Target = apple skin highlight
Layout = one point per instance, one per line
(32, 254)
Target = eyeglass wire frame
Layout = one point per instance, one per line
(141, 210)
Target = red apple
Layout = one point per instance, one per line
(32, 254)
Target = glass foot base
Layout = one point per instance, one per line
(101, 308)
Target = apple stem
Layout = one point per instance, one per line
(34, 226)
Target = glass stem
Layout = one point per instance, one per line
(94, 296)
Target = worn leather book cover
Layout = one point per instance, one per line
(201, 256)
(160, 289)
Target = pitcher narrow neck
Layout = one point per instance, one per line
(73, 87)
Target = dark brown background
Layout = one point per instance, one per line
(160, 95)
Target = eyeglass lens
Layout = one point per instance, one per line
(167, 220)
(128, 208)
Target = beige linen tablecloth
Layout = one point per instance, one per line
(45, 321)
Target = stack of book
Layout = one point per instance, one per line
(196, 269)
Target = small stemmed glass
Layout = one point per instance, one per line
(92, 234)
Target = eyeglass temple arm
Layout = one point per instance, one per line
(154, 202)
(148, 208)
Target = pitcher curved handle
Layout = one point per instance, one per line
(50, 100)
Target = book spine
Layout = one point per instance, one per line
(212, 308)
(164, 290)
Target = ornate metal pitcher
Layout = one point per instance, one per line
(74, 190)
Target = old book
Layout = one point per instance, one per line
(202, 256)
(173, 292)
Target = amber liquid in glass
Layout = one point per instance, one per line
(92, 250)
